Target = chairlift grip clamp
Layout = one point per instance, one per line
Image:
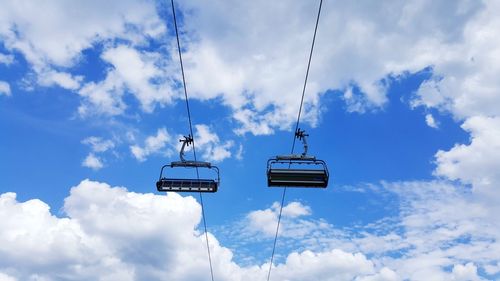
(301, 135)
(185, 142)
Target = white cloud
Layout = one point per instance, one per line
(493, 268)
(57, 36)
(444, 228)
(463, 81)
(296, 209)
(102, 98)
(97, 144)
(467, 272)
(442, 225)
(4, 88)
(152, 145)
(252, 122)
(139, 73)
(97, 240)
(264, 221)
(385, 274)
(328, 266)
(478, 161)
(210, 145)
(258, 71)
(440, 230)
(207, 144)
(5, 277)
(113, 234)
(63, 79)
(137, 70)
(92, 161)
(430, 121)
(6, 59)
(239, 153)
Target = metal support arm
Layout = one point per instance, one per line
(301, 135)
(185, 142)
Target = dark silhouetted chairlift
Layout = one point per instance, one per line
(283, 171)
(188, 185)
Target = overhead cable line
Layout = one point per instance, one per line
(294, 138)
(191, 132)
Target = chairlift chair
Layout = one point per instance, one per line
(278, 174)
(188, 185)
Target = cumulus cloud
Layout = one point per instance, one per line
(440, 230)
(430, 121)
(102, 98)
(158, 143)
(207, 144)
(296, 209)
(328, 266)
(463, 81)
(5, 277)
(465, 272)
(57, 37)
(385, 274)
(446, 234)
(110, 233)
(4, 88)
(258, 71)
(97, 240)
(92, 161)
(138, 72)
(62, 79)
(264, 221)
(444, 225)
(478, 161)
(6, 59)
(97, 147)
(210, 145)
(98, 144)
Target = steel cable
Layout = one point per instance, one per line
(294, 138)
(192, 135)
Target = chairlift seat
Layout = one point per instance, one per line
(293, 177)
(187, 185)
(165, 184)
(297, 178)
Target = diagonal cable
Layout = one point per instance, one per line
(294, 138)
(191, 132)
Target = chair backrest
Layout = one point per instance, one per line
(297, 178)
(285, 171)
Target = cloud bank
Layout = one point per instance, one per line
(110, 233)
(258, 71)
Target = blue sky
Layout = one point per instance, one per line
(402, 103)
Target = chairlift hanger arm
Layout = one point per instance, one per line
(185, 142)
(301, 135)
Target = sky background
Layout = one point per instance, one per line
(402, 102)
